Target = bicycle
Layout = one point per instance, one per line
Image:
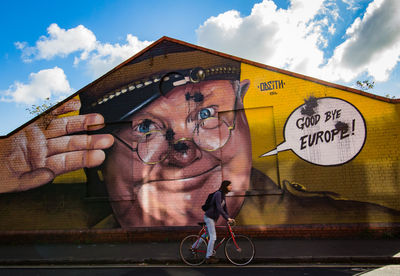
(239, 249)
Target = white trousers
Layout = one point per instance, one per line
(212, 235)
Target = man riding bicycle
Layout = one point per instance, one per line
(217, 207)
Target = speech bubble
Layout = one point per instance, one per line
(324, 131)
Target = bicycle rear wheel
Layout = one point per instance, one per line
(193, 250)
(239, 251)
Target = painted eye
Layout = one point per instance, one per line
(146, 126)
(143, 128)
(206, 113)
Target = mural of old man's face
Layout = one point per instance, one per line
(175, 151)
(146, 143)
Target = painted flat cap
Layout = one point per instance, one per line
(124, 91)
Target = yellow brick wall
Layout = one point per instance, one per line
(372, 176)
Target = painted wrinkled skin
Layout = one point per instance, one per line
(46, 148)
(172, 191)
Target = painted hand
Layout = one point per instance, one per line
(47, 147)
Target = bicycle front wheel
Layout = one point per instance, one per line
(193, 250)
(240, 250)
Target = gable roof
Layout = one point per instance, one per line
(179, 46)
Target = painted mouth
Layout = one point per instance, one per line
(186, 184)
(185, 178)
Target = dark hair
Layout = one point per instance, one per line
(224, 186)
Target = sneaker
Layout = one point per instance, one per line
(212, 260)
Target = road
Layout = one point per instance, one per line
(218, 270)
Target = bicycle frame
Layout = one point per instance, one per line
(204, 234)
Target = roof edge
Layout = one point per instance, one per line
(283, 71)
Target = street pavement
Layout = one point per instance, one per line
(374, 251)
(206, 270)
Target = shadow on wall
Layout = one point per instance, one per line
(334, 195)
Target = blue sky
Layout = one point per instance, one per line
(54, 48)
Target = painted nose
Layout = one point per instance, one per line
(183, 153)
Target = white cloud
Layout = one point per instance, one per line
(294, 38)
(351, 4)
(59, 42)
(106, 56)
(43, 84)
(270, 35)
(100, 57)
(372, 44)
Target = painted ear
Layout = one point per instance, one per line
(244, 86)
